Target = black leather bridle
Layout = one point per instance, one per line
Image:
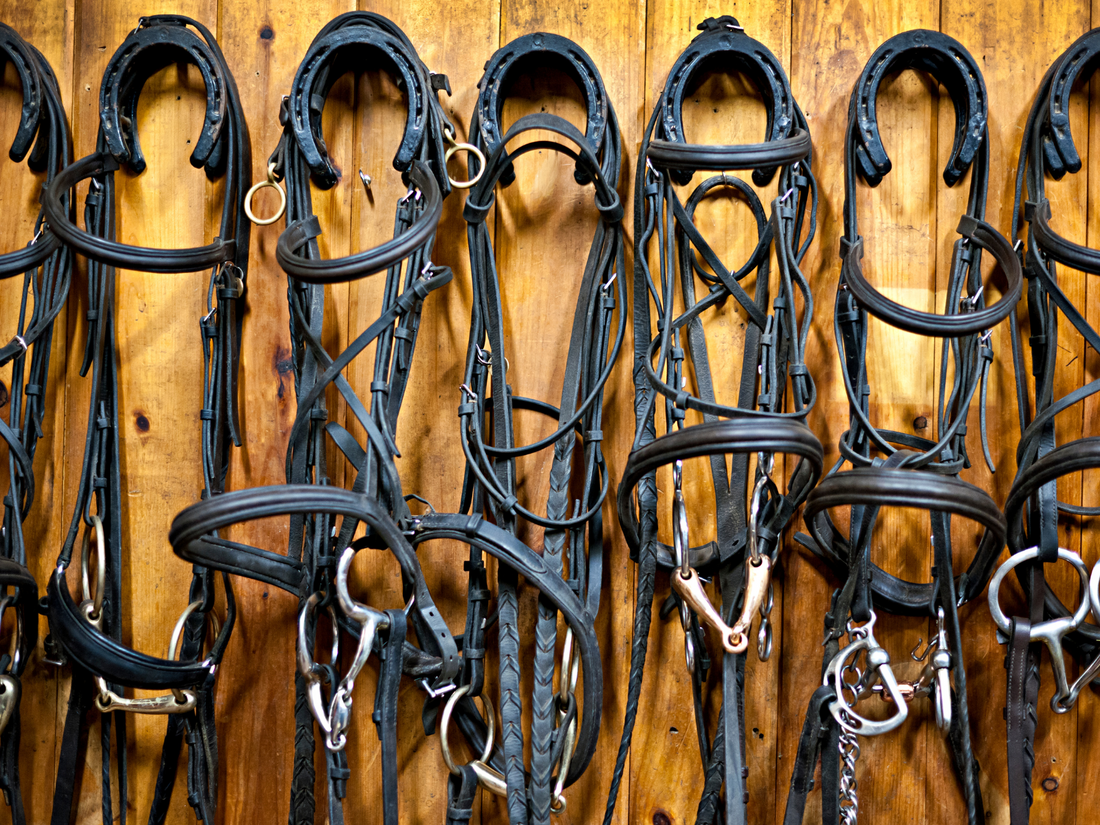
(915, 472)
(345, 44)
(1033, 508)
(573, 539)
(749, 526)
(324, 520)
(45, 265)
(88, 633)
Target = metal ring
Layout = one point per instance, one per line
(101, 569)
(1003, 622)
(256, 187)
(764, 640)
(1094, 591)
(305, 664)
(680, 533)
(463, 147)
(445, 722)
(570, 668)
(177, 631)
(15, 651)
(357, 611)
(754, 513)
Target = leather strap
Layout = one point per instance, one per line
(1020, 719)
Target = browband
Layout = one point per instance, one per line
(723, 42)
(883, 487)
(193, 538)
(972, 229)
(362, 264)
(102, 655)
(144, 52)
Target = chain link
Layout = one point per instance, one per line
(849, 753)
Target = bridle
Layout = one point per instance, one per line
(325, 519)
(88, 633)
(573, 538)
(916, 472)
(46, 267)
(749, 525)
(344, 44)
(1033, 507)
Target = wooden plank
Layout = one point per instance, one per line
(264, 43)
(666, 772)
(48, 26)
(1088, 714)
(543, 230)
(830, 45)
(1011, 81)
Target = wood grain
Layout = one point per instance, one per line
(899, 223)
(427, 429)
(543, 226)
(543, 231)
(263, 44)
(160, 377)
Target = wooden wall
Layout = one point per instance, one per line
(542, 227)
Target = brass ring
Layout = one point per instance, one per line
(177, 631)
(455, 146)
(274, 184)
